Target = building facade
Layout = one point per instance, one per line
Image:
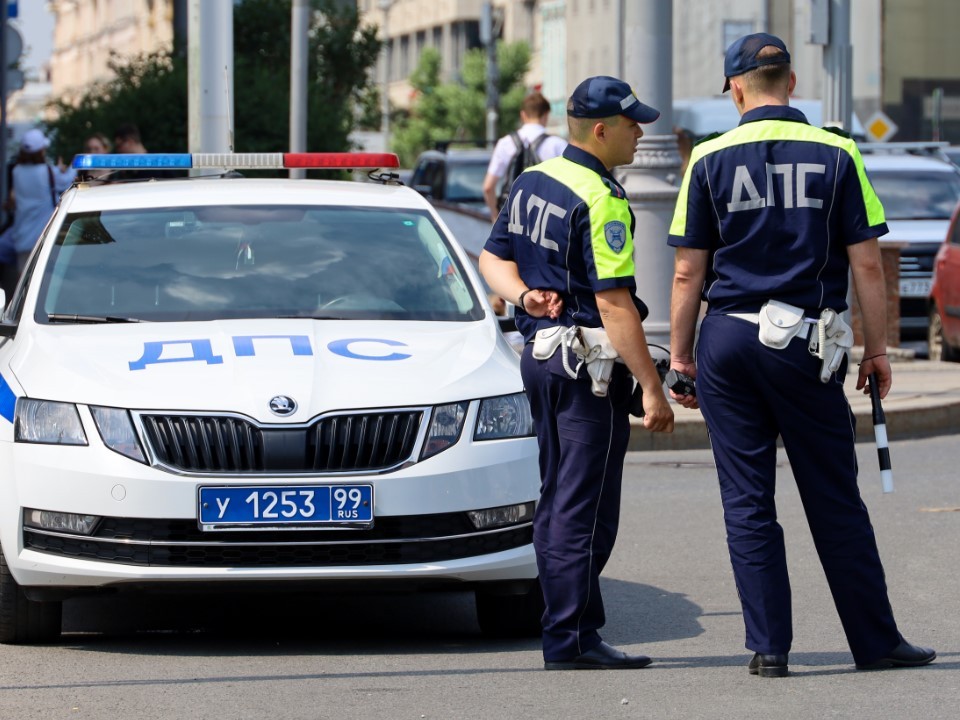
(904, 63)
(87, 33)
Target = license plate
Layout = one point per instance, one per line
(232, 507)
(918, 287)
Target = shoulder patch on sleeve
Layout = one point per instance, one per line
(615, 233)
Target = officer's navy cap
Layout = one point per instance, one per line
(603, 96)
(742, 55)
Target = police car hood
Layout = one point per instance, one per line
(239, 366)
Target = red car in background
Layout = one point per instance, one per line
(944, 328)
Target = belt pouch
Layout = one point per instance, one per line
(546, 342)
(779, 323)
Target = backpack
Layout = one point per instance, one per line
(523, 157)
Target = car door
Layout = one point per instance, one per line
(948, 280)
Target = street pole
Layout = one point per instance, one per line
(488, 39)
(3, 113)
(652, 180)
(210, 72)
(299, 27)
(387, 58)
(838, 67)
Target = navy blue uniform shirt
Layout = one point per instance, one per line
(776, 202)
(568, 226)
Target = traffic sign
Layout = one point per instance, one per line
(12, 44)
(880, 127)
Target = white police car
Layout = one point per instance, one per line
(258, 382)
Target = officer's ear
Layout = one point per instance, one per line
(599, 130)
(736, 94)
(792, 84)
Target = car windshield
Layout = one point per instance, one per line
(465, 181)
(917, 195)
(245, 261)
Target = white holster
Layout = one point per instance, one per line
(834, 339)
(591, 346)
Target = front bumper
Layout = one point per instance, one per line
(148, 532)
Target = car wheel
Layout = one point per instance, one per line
(510, 615)
(937, 346)
(24, 621)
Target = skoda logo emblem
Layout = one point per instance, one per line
(283, 405)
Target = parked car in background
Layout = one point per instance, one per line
(919, 191)
(701, 116)
(451, 179)
(453, 176)
(943, 336)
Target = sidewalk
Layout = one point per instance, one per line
(924, 400)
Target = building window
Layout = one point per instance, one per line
(733, 29)
(405, 56)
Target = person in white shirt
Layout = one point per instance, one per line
(35, 188)
(534, 113)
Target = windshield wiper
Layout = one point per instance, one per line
(65, 317)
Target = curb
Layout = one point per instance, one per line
(903, 423)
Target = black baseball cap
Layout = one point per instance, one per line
(604, 96)
(742, 55)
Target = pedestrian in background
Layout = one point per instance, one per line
(771, 218)
(534, 116)
(126, 139)
(35, 189)
(96, 144)
(564, 255)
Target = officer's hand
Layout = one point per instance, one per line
(689, 369)
(659, 414)
(879, 365)
(543, 303)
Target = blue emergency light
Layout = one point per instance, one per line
(237, 161)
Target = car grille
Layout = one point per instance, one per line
(180, 543)
(916, 260)
(228, 444)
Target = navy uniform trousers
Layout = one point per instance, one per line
(749, 394)
(583, 441)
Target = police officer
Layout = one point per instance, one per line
(562, 250)
(771, 218)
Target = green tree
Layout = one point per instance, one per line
(457, 110)
(151, 90)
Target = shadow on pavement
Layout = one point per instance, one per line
(288, 623)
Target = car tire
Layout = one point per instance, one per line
(937, 346)
(24, 621)
(511, 615)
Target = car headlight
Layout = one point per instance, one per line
(116, 430)
(44, 421)
(445, 426)
(506, 416)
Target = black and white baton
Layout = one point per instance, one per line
(880, 433)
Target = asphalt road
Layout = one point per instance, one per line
(668, 590)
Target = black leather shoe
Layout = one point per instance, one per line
(768, 665)
(602, 657)
(903, 655)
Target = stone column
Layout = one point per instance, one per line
(652, 181)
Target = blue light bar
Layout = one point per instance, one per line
(152, 161)
(237, 161)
